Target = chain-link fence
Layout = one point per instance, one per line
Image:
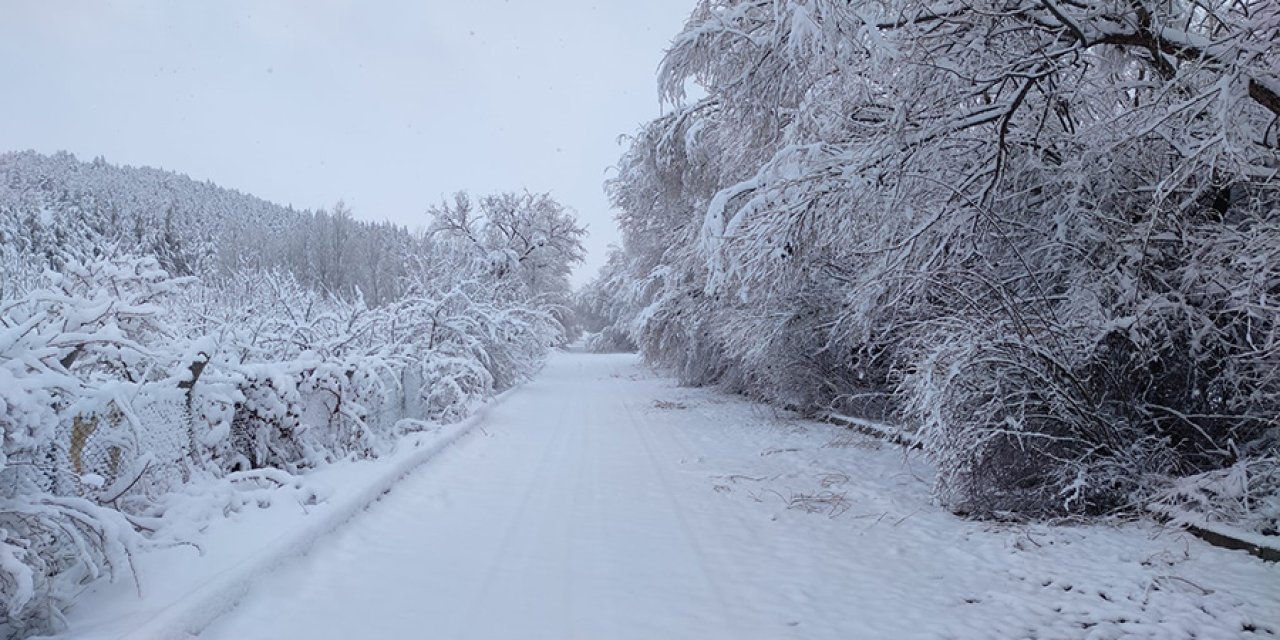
(150, 444)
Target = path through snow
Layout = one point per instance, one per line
(602, 501)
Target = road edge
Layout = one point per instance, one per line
(193, 614)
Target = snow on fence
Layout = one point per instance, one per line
(150, 444)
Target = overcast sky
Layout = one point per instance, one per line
(388, 105)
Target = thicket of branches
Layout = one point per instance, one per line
(1042, 234)
(136, 402)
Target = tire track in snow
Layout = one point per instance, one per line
(542, 475)
(691, 539)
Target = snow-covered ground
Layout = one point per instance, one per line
(603, 501)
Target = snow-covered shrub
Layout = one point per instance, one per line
(64, 347)
(75, 349)
(609, 340)
(452, 385)
(339, 402)
(1014, 431)
(1161, 365)
(50, 547)
(600, 308)
(473, 344)
(1244, 496)
(264, 429)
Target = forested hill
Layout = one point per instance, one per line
(57, 207)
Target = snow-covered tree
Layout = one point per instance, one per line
(529, 242)
(1036, 231)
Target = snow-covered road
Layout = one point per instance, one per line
(603, 501)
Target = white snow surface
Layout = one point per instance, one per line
(604, 501)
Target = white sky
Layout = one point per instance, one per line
(388, 105)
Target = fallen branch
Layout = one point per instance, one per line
(874, 429)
